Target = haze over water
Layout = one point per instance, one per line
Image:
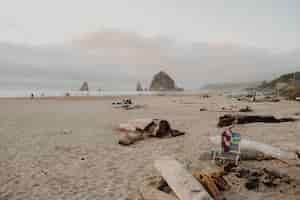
(112, 47)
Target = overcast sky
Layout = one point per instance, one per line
(117, 43)
(272, 24)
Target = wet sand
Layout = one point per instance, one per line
(40, 158)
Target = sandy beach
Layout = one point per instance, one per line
(67, 148)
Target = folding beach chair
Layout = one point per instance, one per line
(230, 148)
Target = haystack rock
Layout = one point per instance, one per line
(84, 87)
(163, 82)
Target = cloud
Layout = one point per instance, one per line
(115, 60)
(191, 63)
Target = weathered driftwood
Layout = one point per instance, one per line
(130, 138)
(246, 109)
(139, 129)
(246, 154)
(211, 177)
(229, 109)
(185, 186)
(266, 149)
(214, 183)
(227, 120)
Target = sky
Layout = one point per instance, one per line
(272, 24)
(114, 43)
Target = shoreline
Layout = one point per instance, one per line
(97, 97)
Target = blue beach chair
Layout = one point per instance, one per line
(229, 152)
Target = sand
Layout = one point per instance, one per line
(66, 148)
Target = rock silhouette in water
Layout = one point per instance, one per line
(139, 86)
(84, 87)
(163, 82)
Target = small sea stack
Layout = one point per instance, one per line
(84, 86)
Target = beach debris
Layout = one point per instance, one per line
(183, 184)
(265, 149)
(216, 182)
(256, 179)
(211, 177)
(139, 129)
(127, 104)
(134, 106)
(246, 109)
(84, 86)
(298, 153)
(205, 96)
(66, 131)
(130, 138)
(213, 183)
(124, 103)
(253, 98)
(229, 108)
(229, 119)
(297, 113)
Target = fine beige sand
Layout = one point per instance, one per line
(66, 148)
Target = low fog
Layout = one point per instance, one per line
(114, 60)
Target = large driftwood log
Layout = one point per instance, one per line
(139, 129)
(266, 149)
(246, 154)
(185, 186)
(130, 138)
(227, 120)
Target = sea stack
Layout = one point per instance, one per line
(139, 86)
(84, 87)
(163, 82)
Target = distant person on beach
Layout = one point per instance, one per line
(31, 96)
(254, 97)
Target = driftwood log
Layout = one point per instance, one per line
(183, 184)
(140, 129)
(227, 120)
(211, 177)
(267, 150)
(246, 154)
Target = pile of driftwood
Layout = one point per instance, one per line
(206, 181)
(260, 178)
(228, 119)
(178, 183)
(140, 129)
